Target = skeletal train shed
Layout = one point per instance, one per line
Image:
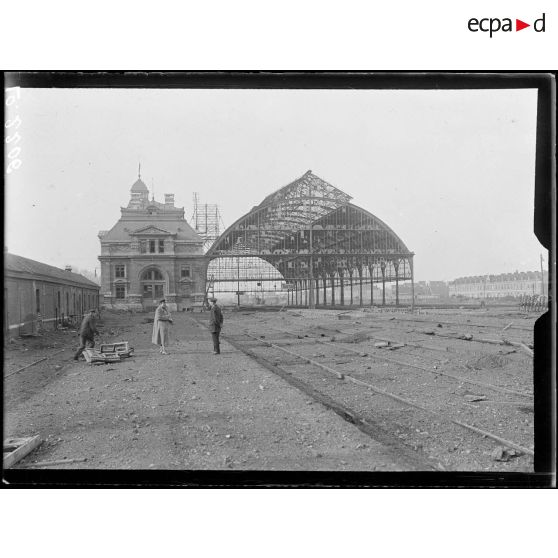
(323, 249)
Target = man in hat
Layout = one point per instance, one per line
(87, 332)
(215, 324)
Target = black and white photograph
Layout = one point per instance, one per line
(272, 274)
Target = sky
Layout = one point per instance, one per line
(451, 172)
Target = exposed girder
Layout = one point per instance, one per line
(310, 228)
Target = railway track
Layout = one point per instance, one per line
(511, 325)
(433, 367)
(431, 328)
(447, 420)
(426, 411)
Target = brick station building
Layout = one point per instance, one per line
(151, 253)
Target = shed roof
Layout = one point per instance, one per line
(19, 264)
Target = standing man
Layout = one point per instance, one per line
(215, 324)
(87, 332)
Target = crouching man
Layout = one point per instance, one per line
(87, 332)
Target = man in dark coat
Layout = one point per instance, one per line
(87, 332)
(215, 324)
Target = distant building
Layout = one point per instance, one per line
(151, 253)
(439, 289)
(499, 286)
(40, 296)
(425, 291)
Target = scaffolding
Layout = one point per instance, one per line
(206, 221)
(307, 245)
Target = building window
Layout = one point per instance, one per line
(161, 246)
(120, 291)
(120, 271)
(185, 272)
(152, 275)
(38, 300)
(152, 247)
(143, 246)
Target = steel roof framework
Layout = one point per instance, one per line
(310, 234)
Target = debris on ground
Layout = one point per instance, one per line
(465, 336)
(16, 449)
(324, 331)
(358, 337)
(92, 356)
(122, 348)
(488, 362)
(526, 349)
(473, 398)
(505, 454)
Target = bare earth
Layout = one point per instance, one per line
(192, 410)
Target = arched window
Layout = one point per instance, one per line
(152, 284)
(152, 275)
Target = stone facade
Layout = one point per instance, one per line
(151, 253)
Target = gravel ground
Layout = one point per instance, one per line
(353, 352)
(189, 410)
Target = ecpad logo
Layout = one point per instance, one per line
(492, 25)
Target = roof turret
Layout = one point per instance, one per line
(139, 186)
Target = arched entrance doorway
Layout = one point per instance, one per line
(152, 287)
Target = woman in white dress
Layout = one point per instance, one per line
(161, 326)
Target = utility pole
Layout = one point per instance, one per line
(311, 302)
(238, 281)
(412, 284)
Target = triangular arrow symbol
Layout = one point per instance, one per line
(519, 25)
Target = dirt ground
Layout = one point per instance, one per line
(192, 410)
(459, 367)
(189, 409)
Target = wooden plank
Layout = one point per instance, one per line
(55, 462)
(33, 363)
(23, 446)
(25, 367)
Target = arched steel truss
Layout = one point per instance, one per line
(317, 240)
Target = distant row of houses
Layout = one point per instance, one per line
(505, 285)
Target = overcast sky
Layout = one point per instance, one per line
(451, 172)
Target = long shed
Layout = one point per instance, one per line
(39, 296)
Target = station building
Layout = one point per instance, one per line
(38, 296)
(149, 254)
